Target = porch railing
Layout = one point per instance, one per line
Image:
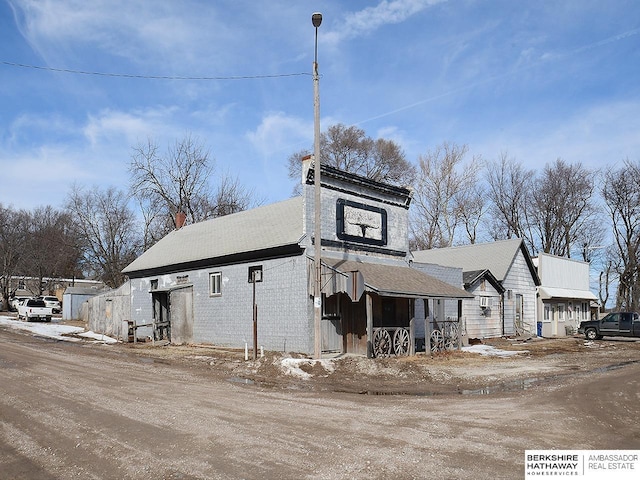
(389, 341)
(445, 335)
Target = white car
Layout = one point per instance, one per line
(15, 301)
(53, 303)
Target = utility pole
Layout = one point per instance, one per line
(316, 19)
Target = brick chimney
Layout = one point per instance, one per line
(181, 218)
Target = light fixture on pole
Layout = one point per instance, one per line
(316, 19)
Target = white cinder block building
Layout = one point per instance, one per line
(197, 284)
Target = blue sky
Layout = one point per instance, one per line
(536, 79)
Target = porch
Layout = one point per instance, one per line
(370, 309)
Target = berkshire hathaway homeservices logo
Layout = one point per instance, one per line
(583, 464)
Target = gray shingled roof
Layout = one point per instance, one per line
(495, 256)
(398, 280)
(261, 228)
(473, 276)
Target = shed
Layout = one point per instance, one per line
(72, 301)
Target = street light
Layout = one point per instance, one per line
(316, 19)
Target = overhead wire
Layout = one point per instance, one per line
(152, 77)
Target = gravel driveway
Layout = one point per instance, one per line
(81, 410)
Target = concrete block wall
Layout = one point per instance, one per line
(107, 312)
(397, 216)
(284, 323)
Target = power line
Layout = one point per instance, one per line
(151, 77)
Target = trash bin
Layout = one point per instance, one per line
(539, 329)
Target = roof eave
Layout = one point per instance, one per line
(288, 250)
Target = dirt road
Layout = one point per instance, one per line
(111, 412)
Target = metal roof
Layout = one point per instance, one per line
(398, 281)
(262, 228)
(83, 291)
(495, 256)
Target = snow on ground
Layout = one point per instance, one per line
(293, 366)
(55, 330)
(488, 350)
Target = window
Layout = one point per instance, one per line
(330, 306)
(561, 311)
(547, 312)
(215, 284)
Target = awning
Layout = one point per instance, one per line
(547, 293)
(396, 281)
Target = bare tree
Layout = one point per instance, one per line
(52, 246)
(509, 185)
(471, 206)
(447, 194)
(621, 194)
(562, 210)
(607, 275)
(180, 180)
(107, 229)
(230, 197)
(13, 234)
(349, 149)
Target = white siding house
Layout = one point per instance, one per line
(510, 264)
(564, 296)
(483, 315)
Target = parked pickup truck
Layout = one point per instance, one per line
(34, 309)
(618, 324)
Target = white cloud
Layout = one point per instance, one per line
(281, 135)
(29, 124)
(142, 32)
(598, 135)
(112, 126)
(371, 18)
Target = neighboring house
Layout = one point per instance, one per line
(503, 280)
(439, 311)
(564, 297)
(32, 286)
(200, 281)
(483, 315)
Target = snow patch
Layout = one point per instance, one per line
(98, 337)
(55, 331)
(489, 351)
(293, 366)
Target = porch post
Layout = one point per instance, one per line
(412, 327)
(459, 339)
(369, 302)
(427, 327)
